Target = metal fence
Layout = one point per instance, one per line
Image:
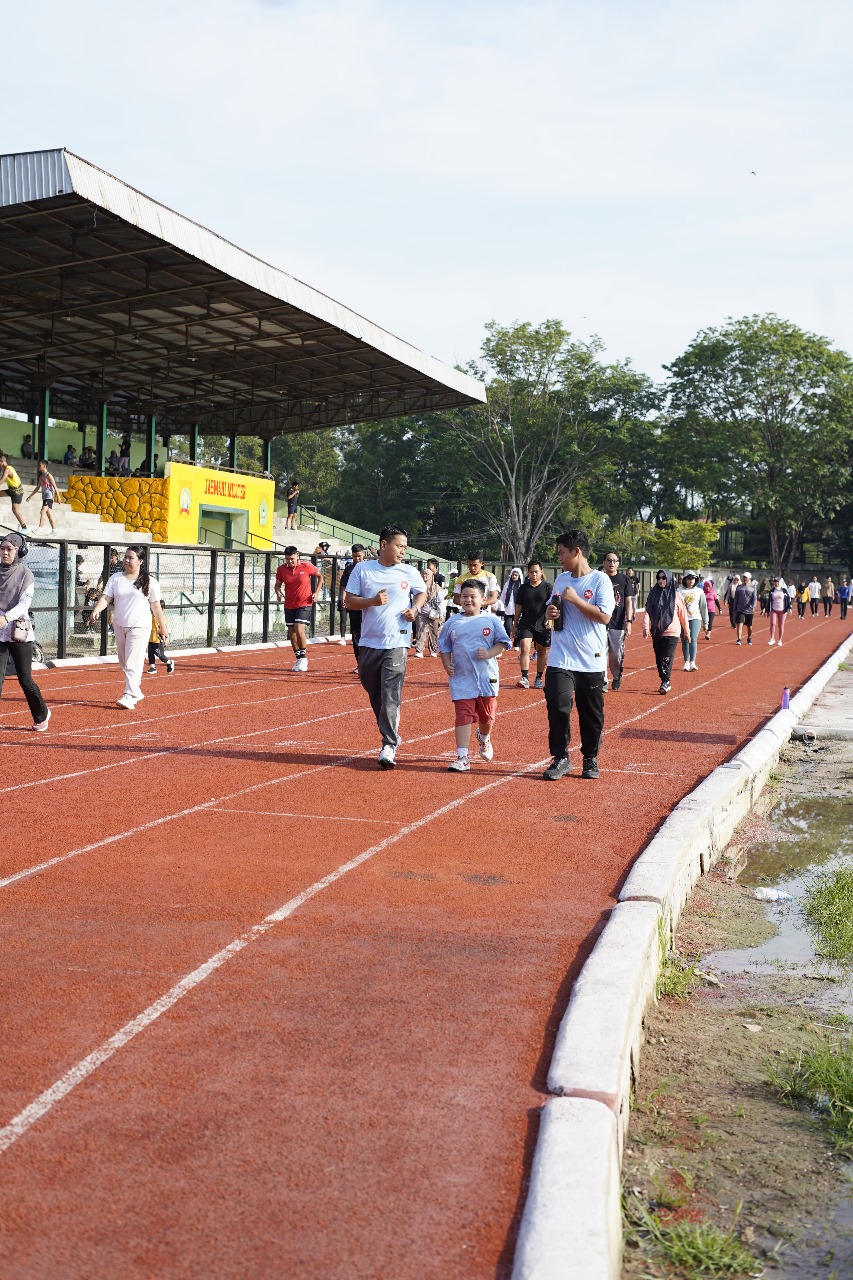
(211, 596)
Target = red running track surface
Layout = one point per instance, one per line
(270, 1011)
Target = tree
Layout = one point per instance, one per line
(770, 408)
(555, 414)
(681, 544)
(314, 459)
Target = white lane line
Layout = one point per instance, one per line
(47, 1100)
(314, 817)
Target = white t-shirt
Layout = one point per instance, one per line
(382, 625)
(581, 645)
(814, 589)
(130, 607)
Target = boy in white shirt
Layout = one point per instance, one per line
(469, 645)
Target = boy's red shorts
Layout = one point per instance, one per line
(476, 710)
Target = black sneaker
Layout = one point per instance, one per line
(590, 767)
(559, 768)
(617, 684)
(170, 666)
(152, 670)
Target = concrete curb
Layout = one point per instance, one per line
(571, 1225)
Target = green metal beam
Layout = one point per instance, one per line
(101, 438)
(44, 424)
(150, 440)
(194, 442)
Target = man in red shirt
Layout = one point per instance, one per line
(294, 589)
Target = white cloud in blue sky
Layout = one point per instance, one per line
(439, 165)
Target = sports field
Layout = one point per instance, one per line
(272, 1012)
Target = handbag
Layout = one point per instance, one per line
(20, 631)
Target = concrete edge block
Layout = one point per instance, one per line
(571, 1228)
(95, 661)
(599, 1039)
(189, 653)
(245, 648)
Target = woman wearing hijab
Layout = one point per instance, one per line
(729, 597)
(134, 597)
(665, 620)
(509, 598)
(16, 629)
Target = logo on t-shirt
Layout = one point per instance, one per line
(487, 631)
(588, 594)
(404, 586)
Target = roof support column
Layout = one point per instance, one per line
(81, 427)
(266, 456)
(150, 442)
(101, 438)
(43, 411)
(194, 442)
(232, 451)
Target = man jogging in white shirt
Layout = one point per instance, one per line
(390, 594)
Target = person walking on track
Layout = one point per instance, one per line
(135, 597)
(389, 594)
(619, 626)
(49, 494)
(843, 597)
(729, 597)
(352, 615)
(665, 620)
(17, 587)
(780, 604)
(293, 589)
(430, 615)
(470, 644)
(814, 594)
(580, 609)
(530, 625)
(827, 596)
(712, 605)
(697, 616)
(477, 569)
(746, 598)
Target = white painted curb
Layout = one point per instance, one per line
(571, 1226)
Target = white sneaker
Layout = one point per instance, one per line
(42, 726)
(418, 655)
(686, 667)
(126, 703)
(301, 664)
(779, 643)
(693, 667)
(487, 751)
(460, 765)
(771, 641)
(387, 757)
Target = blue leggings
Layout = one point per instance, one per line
(688, 644)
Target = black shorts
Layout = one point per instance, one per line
(523, 632)
(293, 617)
(47, 502)
(17, 496)
(745, 618)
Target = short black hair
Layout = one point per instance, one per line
(356, 546)
(392, 531)
(476, 584)
(531, 563)
(575, 538)
(474, 555)
(291, 551)
(432, 561)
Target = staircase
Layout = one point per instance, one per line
(71, 526)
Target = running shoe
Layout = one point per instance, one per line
(559, 768)
(686, 667)
(523, 683)
(665, 687)
(170, 666)
(127, 703)
(152, 669)
(301, 664)
(749, 642)
(41, 727)
(460, 765)
(487, 751)
(537, 683)
(780, 644)
(387, 757)
(737, 641)
(418, 655)
(616, 685)
(771, 641)
(590, 767)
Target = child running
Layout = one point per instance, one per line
(157, 649)
(469, 644)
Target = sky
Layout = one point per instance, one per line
(637, 169)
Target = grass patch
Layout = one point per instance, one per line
(676, 976)
(828, 908)
(696, 1248)
(822, 1079)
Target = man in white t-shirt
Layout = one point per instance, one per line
(577, 659)
(390, 594)
(814, 595)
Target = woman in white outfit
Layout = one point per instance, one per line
(134, 597)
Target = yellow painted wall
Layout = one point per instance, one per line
(191, 488)
(138, 503)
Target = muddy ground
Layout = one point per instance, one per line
(709, 1139)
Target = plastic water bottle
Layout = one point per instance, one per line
(786, 698)
(771, 895)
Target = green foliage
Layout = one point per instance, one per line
(828, 908)
(676, 976)
(683, 544)
(822, 1079)
(763, 420)
(696, 1248)
(314, 459)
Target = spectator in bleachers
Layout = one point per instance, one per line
(70, 456)
(27, 447)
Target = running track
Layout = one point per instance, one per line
(270, 1012)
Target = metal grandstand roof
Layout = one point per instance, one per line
(107, 295)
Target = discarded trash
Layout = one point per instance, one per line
(803, 734)
(786, 698)
(709, 979)
(771, 895)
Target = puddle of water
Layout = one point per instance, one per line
(810, 834)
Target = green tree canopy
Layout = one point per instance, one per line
(765, 411)
(686, 544)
